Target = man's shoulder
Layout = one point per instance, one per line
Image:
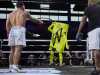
(11, 13)
(93, 6)
(26, 12)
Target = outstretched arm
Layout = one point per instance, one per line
(33, 19)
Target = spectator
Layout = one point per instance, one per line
(42, 59)
(31, 60)
(75, 59)
(82, 58)
(2, 62)
(67, 59)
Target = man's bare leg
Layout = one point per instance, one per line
(17, 55)
(97, 59)
(11, 57)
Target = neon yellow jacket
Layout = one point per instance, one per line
(59, 36)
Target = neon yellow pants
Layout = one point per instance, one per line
(52, 57)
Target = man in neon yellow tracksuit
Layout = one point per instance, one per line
(58, 40)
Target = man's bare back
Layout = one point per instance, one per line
(18, 18)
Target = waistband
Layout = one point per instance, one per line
(18, 26)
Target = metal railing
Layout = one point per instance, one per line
(38, 40)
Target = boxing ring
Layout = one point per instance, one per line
(50, 70)
(66, 12)
(88, 53)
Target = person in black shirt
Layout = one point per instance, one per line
(92, 12)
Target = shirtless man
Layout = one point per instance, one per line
(15, 26)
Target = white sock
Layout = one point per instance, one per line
(15, 66)
(10, 66)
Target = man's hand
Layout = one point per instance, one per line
(33, 34)
(79, 36)
(36, 35)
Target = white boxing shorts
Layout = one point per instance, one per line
(17, 36)
(93, 39)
